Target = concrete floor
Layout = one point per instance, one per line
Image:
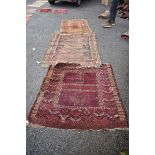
(46, 141)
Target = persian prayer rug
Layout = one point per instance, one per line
(72, 48)
(72, 97)
(75, 26)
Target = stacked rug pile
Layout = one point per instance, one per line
(78, 92)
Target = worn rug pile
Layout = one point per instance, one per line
(72, 48)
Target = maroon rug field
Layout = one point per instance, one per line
(72, 97)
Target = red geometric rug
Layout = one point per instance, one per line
(79, 98)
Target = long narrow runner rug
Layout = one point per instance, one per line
(72, 48)
(79, 98)
(75, 26)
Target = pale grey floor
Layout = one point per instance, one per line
(45, 141)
